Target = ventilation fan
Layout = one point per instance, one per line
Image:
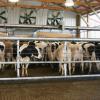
(28, 16)
(3, 19)
(54, 18)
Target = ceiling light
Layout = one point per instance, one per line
(69, 3)
(13, 1)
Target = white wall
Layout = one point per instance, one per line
(69, 18)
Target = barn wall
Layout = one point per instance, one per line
(69, 19)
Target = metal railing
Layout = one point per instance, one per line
(64, 62)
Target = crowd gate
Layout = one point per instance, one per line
(65, 76)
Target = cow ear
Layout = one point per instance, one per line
(31, 44)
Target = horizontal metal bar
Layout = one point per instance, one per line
(51, 77)
(27, 26)
(47, 27)
(90, 28)
(51, 39)
(46, 62)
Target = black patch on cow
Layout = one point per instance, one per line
(91, 49)
(84, 45)
(52, 47)
(73, 42)
(14, 50)
(97, 51)
(29, 50)
(56, 45)
(32, 44)
(1, 47)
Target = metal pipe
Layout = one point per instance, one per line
(84, 20)
(18, 64)
(48, 27)
(39, 62)
(52, 39)
(51, 77)
(65, 59)
(27, 26)
(92, 9)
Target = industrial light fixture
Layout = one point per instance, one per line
(69, 3)
(14, 1)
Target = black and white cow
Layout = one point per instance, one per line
(56, 52)
(89, 53)
(2, 54)
(97, 52)
(26, 53)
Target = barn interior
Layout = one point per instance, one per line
(48, 19)
(53, 22)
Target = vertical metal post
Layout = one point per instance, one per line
(18, 64)
(65, 59)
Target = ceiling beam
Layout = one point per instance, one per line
(2, 1)
(39, 7)
(62, 2)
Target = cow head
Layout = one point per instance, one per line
(36, 53)
(91, 49)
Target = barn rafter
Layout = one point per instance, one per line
(80, 5)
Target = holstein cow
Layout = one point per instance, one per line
(2, 54)
(50, 51)
(56, 52)
(42, 46)
(89, 53)
(26, 52)
(97, 52)
(76, 54)
(8, 50)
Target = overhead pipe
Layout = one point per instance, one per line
(92, 9)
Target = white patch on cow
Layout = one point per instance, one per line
(23, 47)
(41, 44)
(2, 54)
(39, 54)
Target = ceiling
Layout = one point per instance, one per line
(81, 6)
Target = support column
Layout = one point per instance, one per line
(77, 25)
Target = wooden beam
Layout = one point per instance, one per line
(2, 1)
(63, 1)
(39, 7)
(51, 1)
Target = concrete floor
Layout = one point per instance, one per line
(58, 90)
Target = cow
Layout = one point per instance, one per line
(8, 50)
(89, 53)
(97, 52)
(56, 52)
(26, 53)
(2, 54)
(42, 46)
(76, 55)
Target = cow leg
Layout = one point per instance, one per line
(90, 67)
(82, 64)
(2, 65)
(60, 69)
(69, 67)
(26, 72)
(73, 67)
(22, 69)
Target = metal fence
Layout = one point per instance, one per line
(64, 62)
